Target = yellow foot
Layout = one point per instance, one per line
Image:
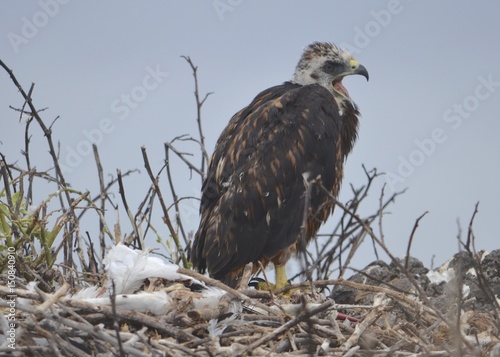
(266, 286)
(281, 281)
(290, 296)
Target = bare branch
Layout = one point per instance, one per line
(166, 217)
(470, 232)
(199, 104)
(102, 196)
(181, 156)
(174, 196)
(60, 177)
(131, 218)
(411, 238)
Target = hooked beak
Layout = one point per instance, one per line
(355, 68)
(350, 69)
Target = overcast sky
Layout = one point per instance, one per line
(113, 73)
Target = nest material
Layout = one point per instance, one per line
(380, 317)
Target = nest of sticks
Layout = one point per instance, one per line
(382, 320)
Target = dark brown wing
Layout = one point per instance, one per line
(253, 196)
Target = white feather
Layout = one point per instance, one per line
(129, 268)
(156, 303)
(211, 297)
(87, 293)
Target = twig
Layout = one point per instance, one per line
(477, 260)
(59, 175)
(134, 316)
(116, 324)
(199, 104)
(222, 286)
(245, 277)
(407, 259)
(138, 237)
(26, 153)
(288, 325)
(302, 240)
(146, 215)
(187, 162)
(410, 277)
(333, 249)
(470, 232)
(110, 184)
(102, 196)
(372, 316)
(381, 214)
(166, 217)
(8, 195)
(52, 298)
(174, 196)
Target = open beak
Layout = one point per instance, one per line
(352, 68)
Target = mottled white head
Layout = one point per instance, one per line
(325, 64)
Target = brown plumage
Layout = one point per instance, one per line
(289, 137)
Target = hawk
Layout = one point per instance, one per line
(274, 167)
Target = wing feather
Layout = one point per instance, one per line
(253, 196)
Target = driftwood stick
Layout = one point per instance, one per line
(227, 289)
(287, 326)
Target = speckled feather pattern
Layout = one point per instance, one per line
(253, 197)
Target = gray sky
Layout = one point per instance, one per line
(114, 75)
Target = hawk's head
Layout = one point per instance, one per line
(325, 64)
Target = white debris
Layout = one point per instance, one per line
(443, 274)
(156, 303)
(472, 271)
(129, 269)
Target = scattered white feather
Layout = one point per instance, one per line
(156, 303)
(443, 274)
(465, 291)
(484, 255)
(216, 328)
(211, 297)
(380, 299)
(129, 268)
(472, 271)
(88, 293)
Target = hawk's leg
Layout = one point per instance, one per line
(281, 278)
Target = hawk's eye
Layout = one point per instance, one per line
(330, 66)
